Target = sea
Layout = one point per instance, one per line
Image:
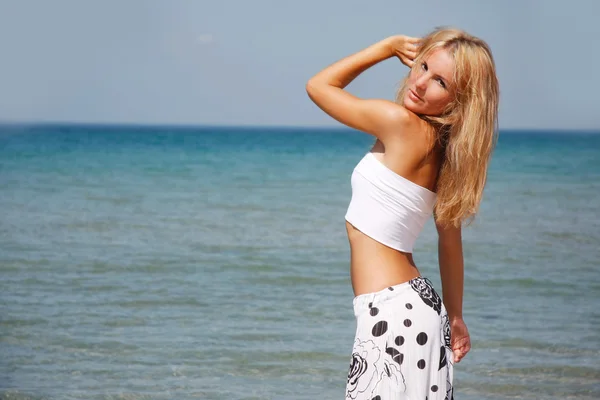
(211, 262)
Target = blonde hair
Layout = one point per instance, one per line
(467, 129)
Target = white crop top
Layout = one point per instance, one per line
(386, 206)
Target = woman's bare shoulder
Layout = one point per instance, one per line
(412, 131)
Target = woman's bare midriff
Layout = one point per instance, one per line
(374, 266)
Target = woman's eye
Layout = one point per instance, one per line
(442, 83)
(424, 66)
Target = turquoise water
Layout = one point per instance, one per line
(151, 263)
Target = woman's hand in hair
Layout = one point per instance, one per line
(404, 47)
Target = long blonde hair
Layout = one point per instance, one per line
(467, 129)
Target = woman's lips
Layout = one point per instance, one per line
(413, 96)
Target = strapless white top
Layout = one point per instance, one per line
(386, 206)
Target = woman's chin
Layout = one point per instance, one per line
(411, 106)
(417, 108)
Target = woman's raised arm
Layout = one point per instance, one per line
(380, 118)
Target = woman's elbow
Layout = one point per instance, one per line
(309, 87)
(312, 87)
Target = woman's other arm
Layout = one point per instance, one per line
(450, 254)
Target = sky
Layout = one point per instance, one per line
(225, 62)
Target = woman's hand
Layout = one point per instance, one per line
(461, 341)
(404, 47)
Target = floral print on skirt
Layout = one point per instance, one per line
(402, 345)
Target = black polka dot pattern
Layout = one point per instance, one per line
(379, 328)
(422, 338)
(409, 306)
(374, 311)
(399, 340)
(434, 388)
(421, 364)
(391, 288)
(376, 398)
(407, 323)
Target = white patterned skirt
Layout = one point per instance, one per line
(402, 345)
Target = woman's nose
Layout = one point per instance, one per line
(421, 82)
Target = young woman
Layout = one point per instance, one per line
(430, 158)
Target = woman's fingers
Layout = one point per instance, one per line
(412, 47)
(408, 61)
(458, 355)
(406, 49)
(407, 52)
(461, 348)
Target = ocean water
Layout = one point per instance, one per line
(160, 263)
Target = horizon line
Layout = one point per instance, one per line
(253, 126)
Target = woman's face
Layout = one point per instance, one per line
(429, 85)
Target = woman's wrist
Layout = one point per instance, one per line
(383, 49)
(455, 318)
(387, 45)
